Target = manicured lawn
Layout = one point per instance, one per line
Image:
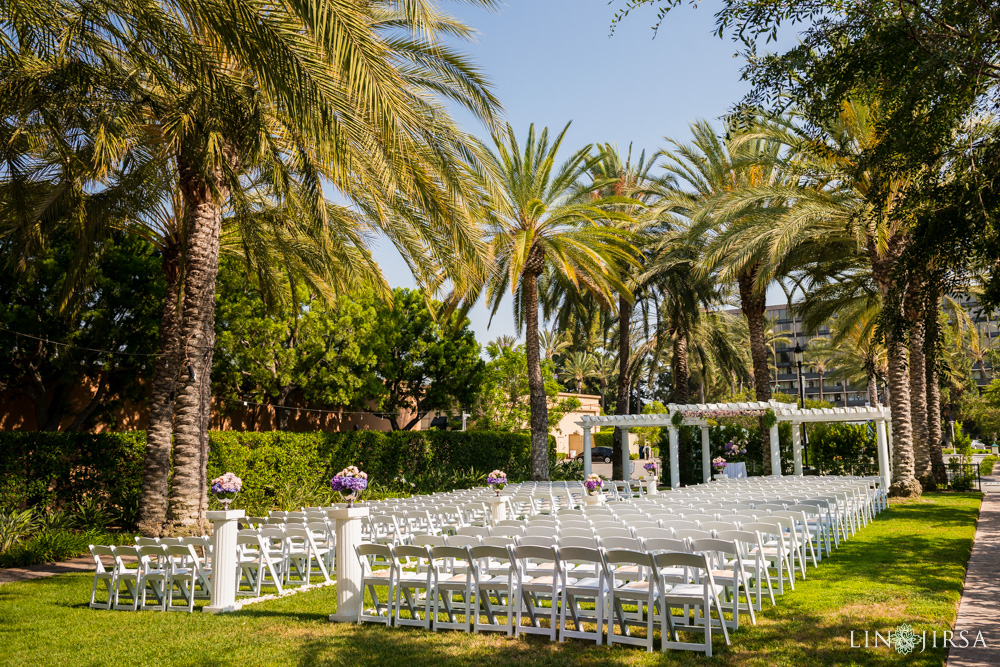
(906, 567)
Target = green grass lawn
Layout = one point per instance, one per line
(908, 566)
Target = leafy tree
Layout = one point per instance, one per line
(422, 364)
(310, 349)
(115, 308)
(504, 398)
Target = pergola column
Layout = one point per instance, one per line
(797, 448)
(706, 456)
(882, 440)
(626, 460)
(675, 470)
(775, 451)
(586, 452)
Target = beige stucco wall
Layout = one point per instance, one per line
(568, 434)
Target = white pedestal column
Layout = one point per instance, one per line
(498, 508)
(594, 500)
(881, 439)
(706, 456)
(587, 446)
(626, 456)
(350, 595)
(651, 487)
(797, 448)
(225, 527)
(675, 469)
(775, 452)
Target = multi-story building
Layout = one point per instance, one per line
(835, 388)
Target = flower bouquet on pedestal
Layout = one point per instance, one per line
(349, 483)
(651, 468)
(594, 484)
(226, 487)
(498, 480)
(718, 464)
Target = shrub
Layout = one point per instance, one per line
(97, 478)
(986, 466)
(59, 470)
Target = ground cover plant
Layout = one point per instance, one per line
(906, 567)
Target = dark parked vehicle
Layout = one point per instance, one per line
(598, 454)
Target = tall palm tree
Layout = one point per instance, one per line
(772, 339)
(834, 210)
(819, 353)
(607, 367)
(542, 220)
(634, 184)
(335, 93)
(579, 367)
(710, 168)
(553, 342)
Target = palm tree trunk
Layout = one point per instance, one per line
(753, 306)
(681, 370)
(873, 398)
(536, 386)
(904, 483)
(934, 392)
(622, 396)
(918, 398)
(820, 386)
(159, 430)
(188, 493)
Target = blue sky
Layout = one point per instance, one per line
(552, 61)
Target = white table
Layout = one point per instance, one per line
(737, 470)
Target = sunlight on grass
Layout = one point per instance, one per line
(908, 566)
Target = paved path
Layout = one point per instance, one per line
(978, 610)
(81, 564)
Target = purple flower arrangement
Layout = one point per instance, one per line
(593, 484)
(226, 487)
(498, 480)
(736, 448)
(650, 468)
(349, 482)
(719, 463)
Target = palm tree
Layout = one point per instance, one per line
(579, 367)
(774, 338)
(553, 342)
(833, 210)
(712, 168)
(819, 353)
(542, 221)
(633, 186)
(296, 94)
(607, 367)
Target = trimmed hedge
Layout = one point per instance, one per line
(57, 470)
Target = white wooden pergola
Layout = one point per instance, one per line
(784, 412)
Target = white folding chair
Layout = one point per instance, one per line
(537, 571)
(103, 575)
(373, 579)
(584, 578)
(452, 577)
(493, 581)
(702, 593)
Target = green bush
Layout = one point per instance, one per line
(604, 439)
(840, 449)
(986, 466)
(97, 478)
(60, 470)
(57, 545)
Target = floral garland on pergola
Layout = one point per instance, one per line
(743, 418)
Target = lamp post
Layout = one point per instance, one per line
(798, 353)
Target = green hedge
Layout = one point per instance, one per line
(57, 470)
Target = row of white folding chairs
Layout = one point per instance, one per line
(513, 581)
(282, 555)
(166, 571)
(784, 544)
